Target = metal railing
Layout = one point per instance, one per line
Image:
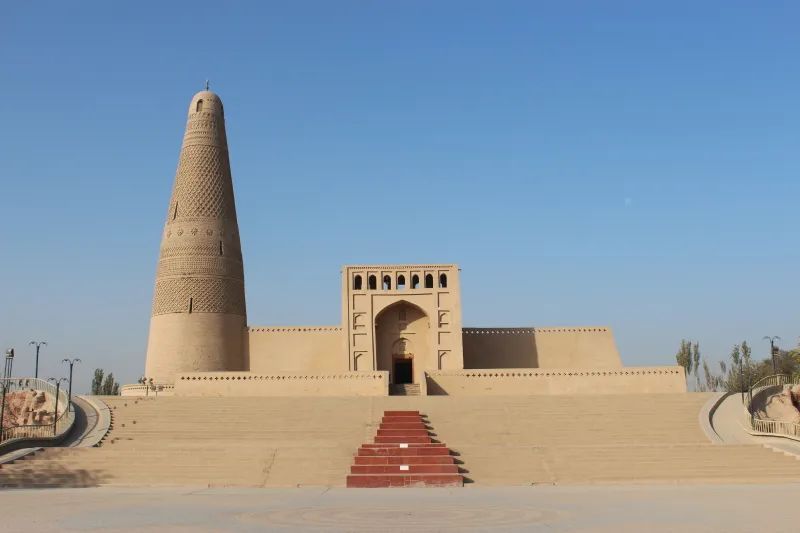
(767, 426)
(63, 419)
(147, 390)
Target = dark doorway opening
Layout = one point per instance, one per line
(403, 371)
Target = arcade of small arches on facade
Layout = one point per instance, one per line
(386, 282)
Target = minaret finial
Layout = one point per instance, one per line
(206, 85)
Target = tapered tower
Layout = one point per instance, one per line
(199, 317)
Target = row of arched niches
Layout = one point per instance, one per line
(399, 284)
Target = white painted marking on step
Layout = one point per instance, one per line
(403, 467)
(404, 445)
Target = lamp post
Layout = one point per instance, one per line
(9, 363)
(71, 363)
(37, 344)
(772, 351)
(741, 376)
(55, 410)
(2, 410)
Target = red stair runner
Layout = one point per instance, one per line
(404, 455)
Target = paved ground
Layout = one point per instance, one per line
(654, 509)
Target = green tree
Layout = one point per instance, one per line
(688, 357)
(684, 356)
(97, 382)
(110, 386)
(713, 382)
(788, 362)
(695, 353)
(104, 385)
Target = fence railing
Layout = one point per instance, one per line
(62, 420)
(155, 389)
(773, 427)
(776, 427)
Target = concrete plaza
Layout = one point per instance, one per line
(651, 508)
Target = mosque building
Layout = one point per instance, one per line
(400, 332)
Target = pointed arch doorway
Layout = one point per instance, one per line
(401, 338)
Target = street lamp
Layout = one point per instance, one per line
(9, 363)
(38, 345)
(3, 387)
(71, 362)
(772, 352)
(55, 410)
(741, 376)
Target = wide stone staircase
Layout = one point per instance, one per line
(310, 441)
(249, 442)
(648, 438)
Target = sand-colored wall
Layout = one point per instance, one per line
(513, 381)
(186, 342)
(282, 384)
(578, 347)
(295, 349)
(499, 348)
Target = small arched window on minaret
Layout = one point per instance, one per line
(199, 106)
(401, 282)
(429, 281)
(387, 283)
(357, 283)
(373, 283)
(415, 282)
(442, 281)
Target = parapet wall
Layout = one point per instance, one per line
(578, 347)
(147, 390)
(499, 348)
(282, 384)
(311, 349)
(514, 381)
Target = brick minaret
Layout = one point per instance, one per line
(199, 318)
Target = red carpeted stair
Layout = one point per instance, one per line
(404, 455)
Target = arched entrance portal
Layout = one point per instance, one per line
(401, 338)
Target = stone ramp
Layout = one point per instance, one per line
(282, 442)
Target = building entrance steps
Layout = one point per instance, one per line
(404, 460)
(404, 454)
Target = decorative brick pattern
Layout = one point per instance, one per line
(203, 186)
(208, 295)
(200, 265)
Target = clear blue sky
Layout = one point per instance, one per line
(618, 163)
